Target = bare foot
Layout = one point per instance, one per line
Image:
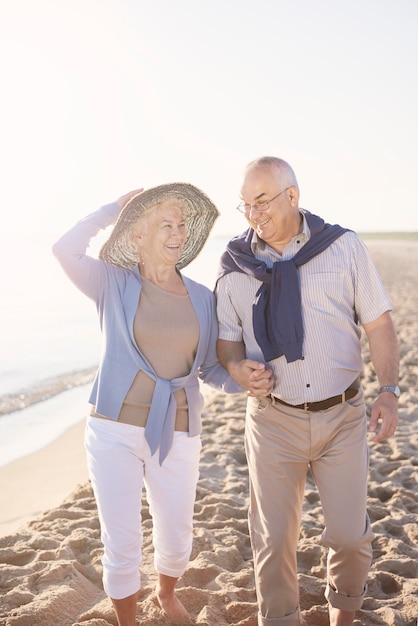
(173, 608)
(338, 617)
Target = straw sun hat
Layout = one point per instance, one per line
(199, 213)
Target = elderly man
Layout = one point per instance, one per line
(293, 292)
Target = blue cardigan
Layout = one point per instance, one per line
(116, 293)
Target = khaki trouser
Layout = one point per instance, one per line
(281, 443)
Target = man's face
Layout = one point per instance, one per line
(278, 220)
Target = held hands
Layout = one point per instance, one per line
(385, 410)
(253, 376)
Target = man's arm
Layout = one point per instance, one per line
(252, 375)
(384, 353)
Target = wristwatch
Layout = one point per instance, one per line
(393, 389)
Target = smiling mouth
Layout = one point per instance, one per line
(261, 224)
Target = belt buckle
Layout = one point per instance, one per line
(306, 406)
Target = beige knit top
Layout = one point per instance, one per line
(166, 331)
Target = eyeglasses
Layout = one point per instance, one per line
(245, 208)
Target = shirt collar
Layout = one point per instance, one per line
(304, 235)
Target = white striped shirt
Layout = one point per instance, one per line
(336, 286)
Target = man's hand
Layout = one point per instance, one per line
(253, 376)
(385, 411)
(384, 353)
(261, 380)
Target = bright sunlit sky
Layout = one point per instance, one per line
(103, 96)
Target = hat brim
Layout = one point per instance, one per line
(200, 215)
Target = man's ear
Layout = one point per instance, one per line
(293, 195)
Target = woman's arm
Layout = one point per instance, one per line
(71, 250)
(85, 271)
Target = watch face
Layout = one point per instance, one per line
(393, 389)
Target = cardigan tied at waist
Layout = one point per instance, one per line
(159, 429)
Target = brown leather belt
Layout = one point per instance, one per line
(322, 405)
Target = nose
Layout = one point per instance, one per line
(253, 209)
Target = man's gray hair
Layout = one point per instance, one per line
(285, 174)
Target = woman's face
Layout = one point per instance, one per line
(161, 234)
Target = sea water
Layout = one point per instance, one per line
(50, 342)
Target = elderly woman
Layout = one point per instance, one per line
(159, 334)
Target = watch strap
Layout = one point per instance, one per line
(392, 388)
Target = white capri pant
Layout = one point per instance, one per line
(120, 464)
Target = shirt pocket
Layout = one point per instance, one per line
(323, 292)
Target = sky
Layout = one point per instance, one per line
(103, 96)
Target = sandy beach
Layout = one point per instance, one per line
(50, 550)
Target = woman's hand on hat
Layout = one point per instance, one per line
(123, 200)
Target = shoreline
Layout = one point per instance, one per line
(28, 430)
(33, 483)
(39, 481)
(45, 390)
